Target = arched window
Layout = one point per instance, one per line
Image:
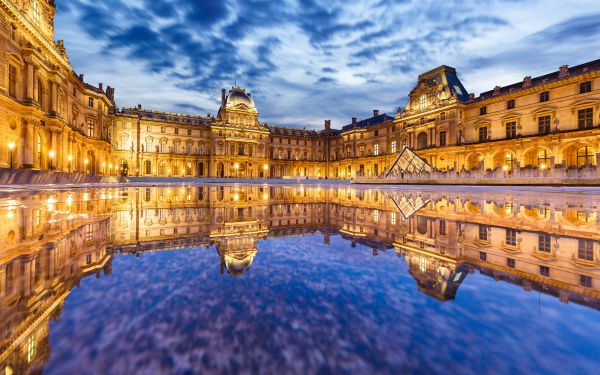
(39, 150)
(148, 167)
(188, 168)
(543, 159)
(422, 141)
(40, 93)
(161, 168)
(423, 101)
(200, 169)
(585, 155)
(175, 168)
(509, 161)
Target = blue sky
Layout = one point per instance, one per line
(310, 60)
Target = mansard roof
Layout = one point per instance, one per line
(563, 73)
(368, 122)
(174, 118)
(292, 132)
(446, 76)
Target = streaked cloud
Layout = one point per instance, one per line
(308, 60)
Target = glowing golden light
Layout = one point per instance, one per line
(11, 145)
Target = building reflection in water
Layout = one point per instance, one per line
(51, 240)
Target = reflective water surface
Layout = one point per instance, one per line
(299, 279)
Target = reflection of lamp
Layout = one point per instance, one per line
(11, 147)
(51, 154)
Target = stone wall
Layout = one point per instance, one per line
(29, 177)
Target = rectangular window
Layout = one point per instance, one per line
(176, 130)
(483, 111)
(394, 218)
(544, 96)
(544, 271)
(585, 118)
(375, 216)
(482, 256)
(162, 129)
(442, 138)
(544, 242)
(544, 124)
(585, 87)
(189, 131)
(483, 134)
(91, 102)
(483, 233)
(585, 250)
(393, 147)
(376, 150)
(511, 237)
(511, 130)
(510, 263)
(89, 232)
(442, 227)
(585, 281)
(12, 81)
(510, 104)
(90, 129)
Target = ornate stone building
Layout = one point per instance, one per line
(50, 119)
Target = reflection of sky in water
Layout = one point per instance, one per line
(305, 307)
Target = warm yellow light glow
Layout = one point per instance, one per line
(236, 197)
(103, 165)
(505, 168)
(265, 196)
(543, 166)
(266, 167)
(236, 165)
(69, 158)
(10, 214)
(11, 145)
(86, 161)
(51, 154)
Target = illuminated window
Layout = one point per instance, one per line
(376, 150)
(422, 264)
(483, 134)
(585, 155)
(543, 158)
(176, 168)
(36, 12)
(89, 232)
(376, 216)
(30, 348)
(39, 149)
(511, 237)
(483, 233)
(90, 130)
(393, 147)
(393, 218)
(161, 168)
(423, 101)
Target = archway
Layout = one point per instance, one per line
(91, 158)
(148, 167)
(538, 157)
(220, 170)
(475, 161)
(200, 169)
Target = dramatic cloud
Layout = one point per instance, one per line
(308, 60)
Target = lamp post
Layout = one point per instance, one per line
(51, 154)
(266, 169)
(11, 147)
(85, 162)
(236, 166)
(70, 159)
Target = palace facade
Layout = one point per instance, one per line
(51, 120)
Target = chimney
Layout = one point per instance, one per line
(100, 86)
(81, 77)
(139, 106)
(327, 125)
(353, 121)
(222, 97)
(375, 112)
(471, 96)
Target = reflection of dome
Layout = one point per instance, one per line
(237, 264)
(239, 96)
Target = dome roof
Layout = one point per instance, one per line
(239, 96)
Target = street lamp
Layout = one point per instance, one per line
(86, 164)
(11, 147)
(266, 169)
(70, 159)
(236, 166)
(103, 168)
(51, 155)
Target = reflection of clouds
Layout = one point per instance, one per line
(306, 307)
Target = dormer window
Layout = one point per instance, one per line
(510, 104)
(91, 102)
(483, 111)
(423, 101)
